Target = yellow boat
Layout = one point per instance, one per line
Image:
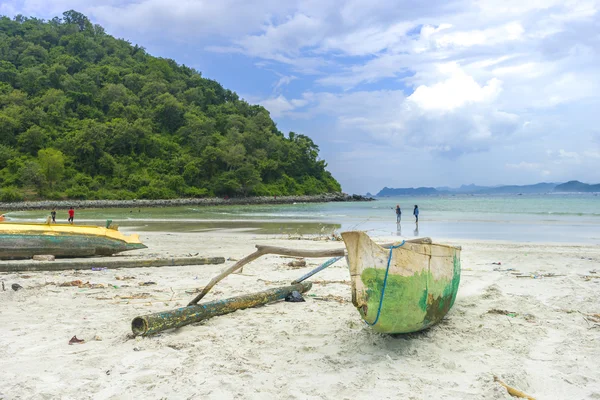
(24, 240)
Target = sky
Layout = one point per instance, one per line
(395, 93)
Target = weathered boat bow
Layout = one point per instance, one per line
(403, 289)
(24, 240)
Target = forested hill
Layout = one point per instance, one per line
(84, 115)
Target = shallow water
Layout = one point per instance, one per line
(526, 218)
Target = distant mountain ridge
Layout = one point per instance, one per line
(423, 191)
(543, 187)
(576, 186)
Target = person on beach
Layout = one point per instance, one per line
(398, 213)
(416, 213)
(53, 215)
(71, 215)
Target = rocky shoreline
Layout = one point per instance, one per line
(79, 204)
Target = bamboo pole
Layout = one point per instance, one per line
(262, 250)
(150, 324)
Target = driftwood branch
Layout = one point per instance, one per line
(262, 250)
(512, 391)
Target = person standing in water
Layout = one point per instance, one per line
(398, 213)
(416, 213)
(71, 215)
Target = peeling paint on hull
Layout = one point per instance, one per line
(421, 286)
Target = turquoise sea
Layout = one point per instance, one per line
(524, 218)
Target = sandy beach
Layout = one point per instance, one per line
(530, 321)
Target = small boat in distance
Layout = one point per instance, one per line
(25, 240)
(405, 289)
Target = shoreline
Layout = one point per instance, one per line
(212, 201)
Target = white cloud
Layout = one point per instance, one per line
(277, 106)
(283, 81)
(455, 91)
(524, 165)
(388, 116)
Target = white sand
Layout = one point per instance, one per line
(314, 350)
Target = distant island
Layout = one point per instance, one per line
(568, 187)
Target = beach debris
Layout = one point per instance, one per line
(232, 259)
(497, 263)
(322, 282)
(594, 318)
(538, 276)
(16, 286)
(331, 297)
(157, 322)
(80, 284)
(294, 297)
(99, 269)
(43, 257)
(72, 283)
(3, 288)
(503, 270)
(124, 278)
(74, 340)
(512, 391)
(502, 312)
(297, 263)
(149, 283)
(590, 277)
(98, 338)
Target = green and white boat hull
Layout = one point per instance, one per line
(420, 288)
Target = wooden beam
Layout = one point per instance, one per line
(150, 324)
(108, 262)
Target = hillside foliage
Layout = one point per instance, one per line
(84, 115)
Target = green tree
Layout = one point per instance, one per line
(32, 140)
(52, 163)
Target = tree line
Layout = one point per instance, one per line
(84, 115)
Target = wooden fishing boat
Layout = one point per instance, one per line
(403, 289)
(24, 240)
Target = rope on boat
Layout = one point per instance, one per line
(384, 284)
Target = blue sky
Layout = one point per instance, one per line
(395, 93)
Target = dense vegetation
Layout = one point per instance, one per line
(86, 116)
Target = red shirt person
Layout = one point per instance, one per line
(71, 215)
